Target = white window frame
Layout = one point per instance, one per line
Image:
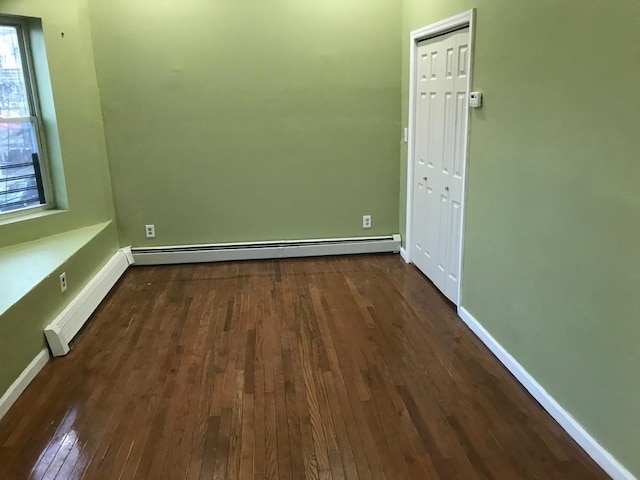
(26, 55)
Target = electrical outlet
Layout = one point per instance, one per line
(150, 231)
(366, 221)
(63, 281)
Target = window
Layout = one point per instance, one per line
(23, 171)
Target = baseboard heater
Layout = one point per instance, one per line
(265, 250)
(66, 326)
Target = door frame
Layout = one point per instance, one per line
(462, 20)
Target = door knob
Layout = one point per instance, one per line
(446, 189)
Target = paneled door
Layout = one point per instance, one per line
(441, 109)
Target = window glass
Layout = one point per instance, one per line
(14, 100)
(21, 179)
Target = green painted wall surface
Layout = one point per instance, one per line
(22, 325)
(551, 259)
(29, 263)
(233, 120)
(79, 158)
(238, 120)
(71, 106)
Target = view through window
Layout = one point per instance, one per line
(22, 183)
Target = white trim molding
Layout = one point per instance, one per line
(68, 323)
(590, 445)
(23, 381)
(404, 255)
(222, 252)
(464, 19)
(128, 254)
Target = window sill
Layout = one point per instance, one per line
(30, 216)
(25, 265)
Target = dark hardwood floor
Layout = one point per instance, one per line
(351, 367)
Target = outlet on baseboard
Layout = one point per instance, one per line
(366, 221)
(150, 231)
(63, 281)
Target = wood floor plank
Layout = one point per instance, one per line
(320, 368)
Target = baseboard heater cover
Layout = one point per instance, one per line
(70, 321)
(264, 250)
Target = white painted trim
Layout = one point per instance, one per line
(128, 254)
(61, 331)
(443, 26)
(23, 381)
(461, 20)
(264, 250)
(264, 243)
(576, 431)
(404, 255)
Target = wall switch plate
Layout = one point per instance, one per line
(63, 281)
(366, 221)
(405, 135)
(150, 231)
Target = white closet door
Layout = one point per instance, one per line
(439, 148)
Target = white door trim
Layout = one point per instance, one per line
(456, 22)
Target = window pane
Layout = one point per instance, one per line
(14, 101)
(20, 176)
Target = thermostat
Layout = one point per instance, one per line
(475, 99)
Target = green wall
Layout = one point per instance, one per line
(22, 325)
(79, 158)
(238, 120)
(77, 151)
(232, 120)
(551, 256)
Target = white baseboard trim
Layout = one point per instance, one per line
(404, 255)
(23, 381)
(68, 323)
(590, 445)
(264, 250)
